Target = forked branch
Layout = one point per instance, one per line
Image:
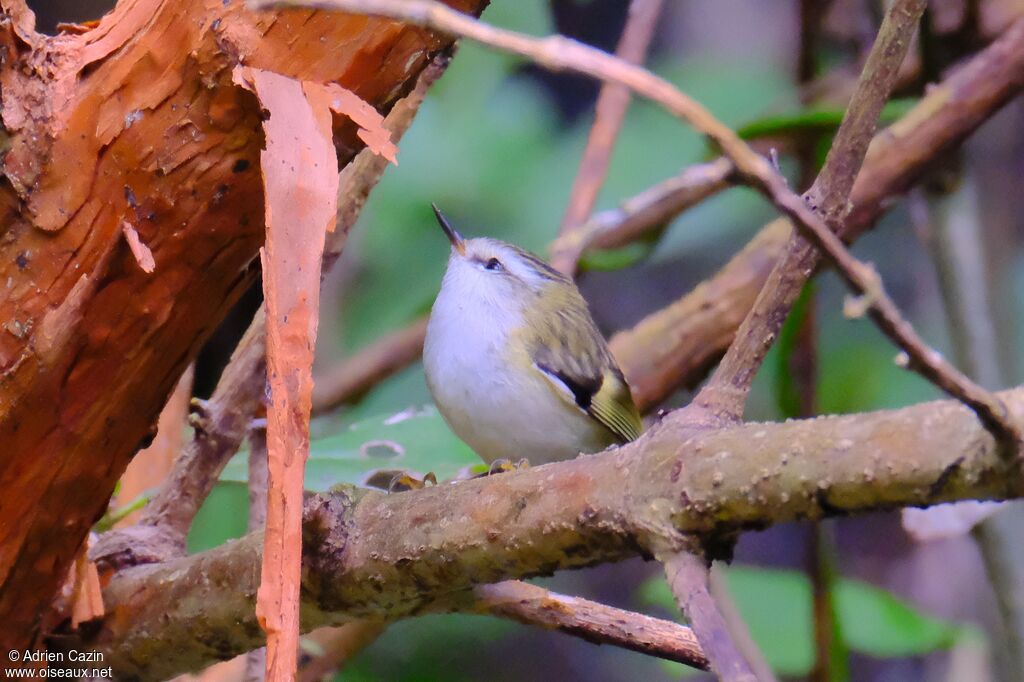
(726, 392)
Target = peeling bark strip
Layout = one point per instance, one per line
(91, 346)
(389, 556)
(300, 174)
(300, 177)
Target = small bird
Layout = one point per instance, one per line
(514, 361)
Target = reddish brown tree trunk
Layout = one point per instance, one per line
(135, 121)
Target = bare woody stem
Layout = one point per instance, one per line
(687, 576)
(674, 346)
(530, 605)
(637, 215)
(612, 103)
(367, 367)
(590, 620)
(339, 645)
(256, 660)
(220, 427)
(726, 392)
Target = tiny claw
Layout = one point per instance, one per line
(199, 415)
(405, 481)
(500, 466)
(199, 407)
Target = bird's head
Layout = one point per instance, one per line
(493, 272)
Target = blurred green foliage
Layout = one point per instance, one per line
(777, 607)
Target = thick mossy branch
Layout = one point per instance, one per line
(389, 556)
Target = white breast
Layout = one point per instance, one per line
(500, 408)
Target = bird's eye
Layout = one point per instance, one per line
(493, 264)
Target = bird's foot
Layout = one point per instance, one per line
(502, 465)
(405, 480)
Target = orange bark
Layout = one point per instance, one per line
(300, 179)
(149, 467)
(136, 120)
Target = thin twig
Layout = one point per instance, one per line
(687, 574)
(590, 620)
(610, 111)
(530, 605)
(256, 660)
(562, 54)
(675, 346)
(366, 368)
(802, 361)
(638, 215)
(726, 392)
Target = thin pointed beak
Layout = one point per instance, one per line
(458, 243)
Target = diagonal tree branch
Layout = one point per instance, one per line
(726, 392)
(589, 620)
(687, 575)
(367, 367)
(637, 215)
(371, 555)
(674, 346)
(611, 107)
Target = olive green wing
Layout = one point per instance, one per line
(613, 406)
(575, 358)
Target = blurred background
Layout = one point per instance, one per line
(497, 146)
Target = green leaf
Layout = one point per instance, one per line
(415, 440)
(607, 260)
(777, 608)
(877, 623)
(815, 119)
